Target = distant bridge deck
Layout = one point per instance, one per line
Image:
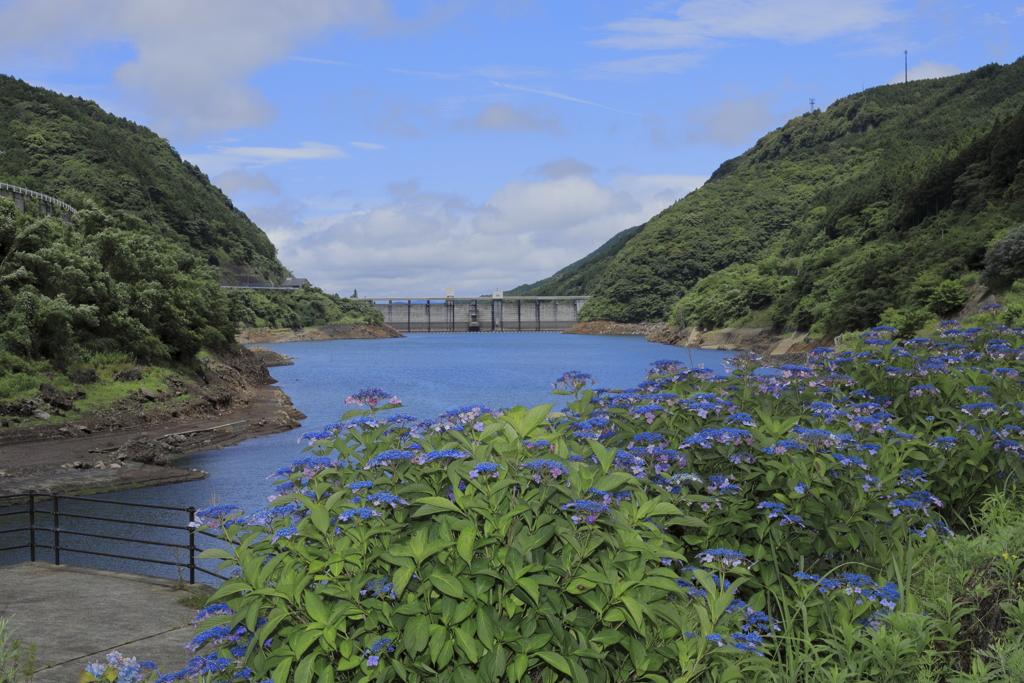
(478, 314)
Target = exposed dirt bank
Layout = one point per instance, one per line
(265, 335)
(133, 442)
(775, 349)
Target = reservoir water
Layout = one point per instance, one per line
(430, 373)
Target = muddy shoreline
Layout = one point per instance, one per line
(774, 349)
(134, 442)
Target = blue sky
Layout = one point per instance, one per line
(399, 147)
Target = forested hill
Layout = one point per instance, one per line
(888, 199)
(133, 278)
(69, 148)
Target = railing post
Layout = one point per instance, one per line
(32, 526)
(56, 528)
(191, 545)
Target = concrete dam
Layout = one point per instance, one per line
(495, 313)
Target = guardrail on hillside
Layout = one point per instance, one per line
(15, 190)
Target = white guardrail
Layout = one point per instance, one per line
(39, 195)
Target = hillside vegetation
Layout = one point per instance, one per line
(888, 199)
(134, 276)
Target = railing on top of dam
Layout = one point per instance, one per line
(478, 314)
(44, 200)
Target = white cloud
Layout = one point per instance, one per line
(926, 70)
(702, 23)
(222, 159)
(733, 121)
(239, 179)
(367, 145)
(653, 64)
(418, 242)
(193, 58)
(560, 96)
(505, 117)
(563, 168)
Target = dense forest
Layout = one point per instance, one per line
(135, 273)
(889, 199)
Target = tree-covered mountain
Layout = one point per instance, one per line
(136, 271)
(70, 148)
(885, 200)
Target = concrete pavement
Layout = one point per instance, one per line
(76, 616)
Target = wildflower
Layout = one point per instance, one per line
(724, 556)
(360, 513)
(774, 509)
(801, 488)
(551, 467)
(372, 398)
(373, 654)
(216, 517)
(591, 509)
(380, 587)
(484, 468)
(573, 381)
(211, 610)
(388, 458)
(385, 498)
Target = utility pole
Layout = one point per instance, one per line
(906, 73)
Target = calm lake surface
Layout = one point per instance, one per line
(430, 373)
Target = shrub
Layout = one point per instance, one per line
(1004, 260)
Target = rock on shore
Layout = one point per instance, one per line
(265, 335)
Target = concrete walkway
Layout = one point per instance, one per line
(76, 616)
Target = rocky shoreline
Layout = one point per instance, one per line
(134, 442)
(266, 335)
(774, 349)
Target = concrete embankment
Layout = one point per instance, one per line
(266, 335)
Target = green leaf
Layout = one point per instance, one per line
(447, 584)
(531, 587)
(556, 660)
(467, 538)
(304, 671)
(518, 667)
(282, 670)
(433, 504)
(467, 644)
(321, 519)
(417, 634)
(485, 626)
(401, 579)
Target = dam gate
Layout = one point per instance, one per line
(413, 315)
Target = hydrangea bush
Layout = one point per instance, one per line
(663, 533)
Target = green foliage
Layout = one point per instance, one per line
(1004, 260)
(729, 294)
(595, 544)
(579, 278)
(69, 148)
(908, 321)
(305, 307)
(103, 282)
(860, 202)
(17, 660)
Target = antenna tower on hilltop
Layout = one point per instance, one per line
(906, 74)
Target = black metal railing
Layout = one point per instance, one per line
(34, 505)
